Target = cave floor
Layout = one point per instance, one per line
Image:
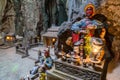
(13, 67)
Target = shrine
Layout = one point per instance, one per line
(76, 63)
(81, 50)
(50, 36)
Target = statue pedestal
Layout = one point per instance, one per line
(67, 71)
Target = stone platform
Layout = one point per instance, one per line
(67, 71)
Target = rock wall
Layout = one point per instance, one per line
(2, 8)
(7, 16)
(30, 12)
(19, 22)
(75, 8)
(111, 9)
(28, 16)
(54, 13)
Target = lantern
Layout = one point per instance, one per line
(97, 45)
(53, 40)
(10, 38)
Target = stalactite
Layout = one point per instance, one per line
(18, 18)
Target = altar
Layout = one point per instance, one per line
(68, 71)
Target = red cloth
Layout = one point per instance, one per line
(92, 32)
(75, 37)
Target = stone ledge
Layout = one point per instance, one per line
(77, 71)
(58, 75)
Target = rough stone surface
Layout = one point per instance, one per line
(2, 7)
(12, 66)
(31, 13)
(80, 72)
(7, 16)
(111, 9)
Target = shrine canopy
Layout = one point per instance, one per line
(50, 37)
(51, 32)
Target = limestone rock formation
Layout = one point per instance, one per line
(111, 9)
(18, 16)
(2, 8)
(7, 16)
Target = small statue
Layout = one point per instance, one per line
(66, 49)
(68, 45)
(76, 57)
(46, 63)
